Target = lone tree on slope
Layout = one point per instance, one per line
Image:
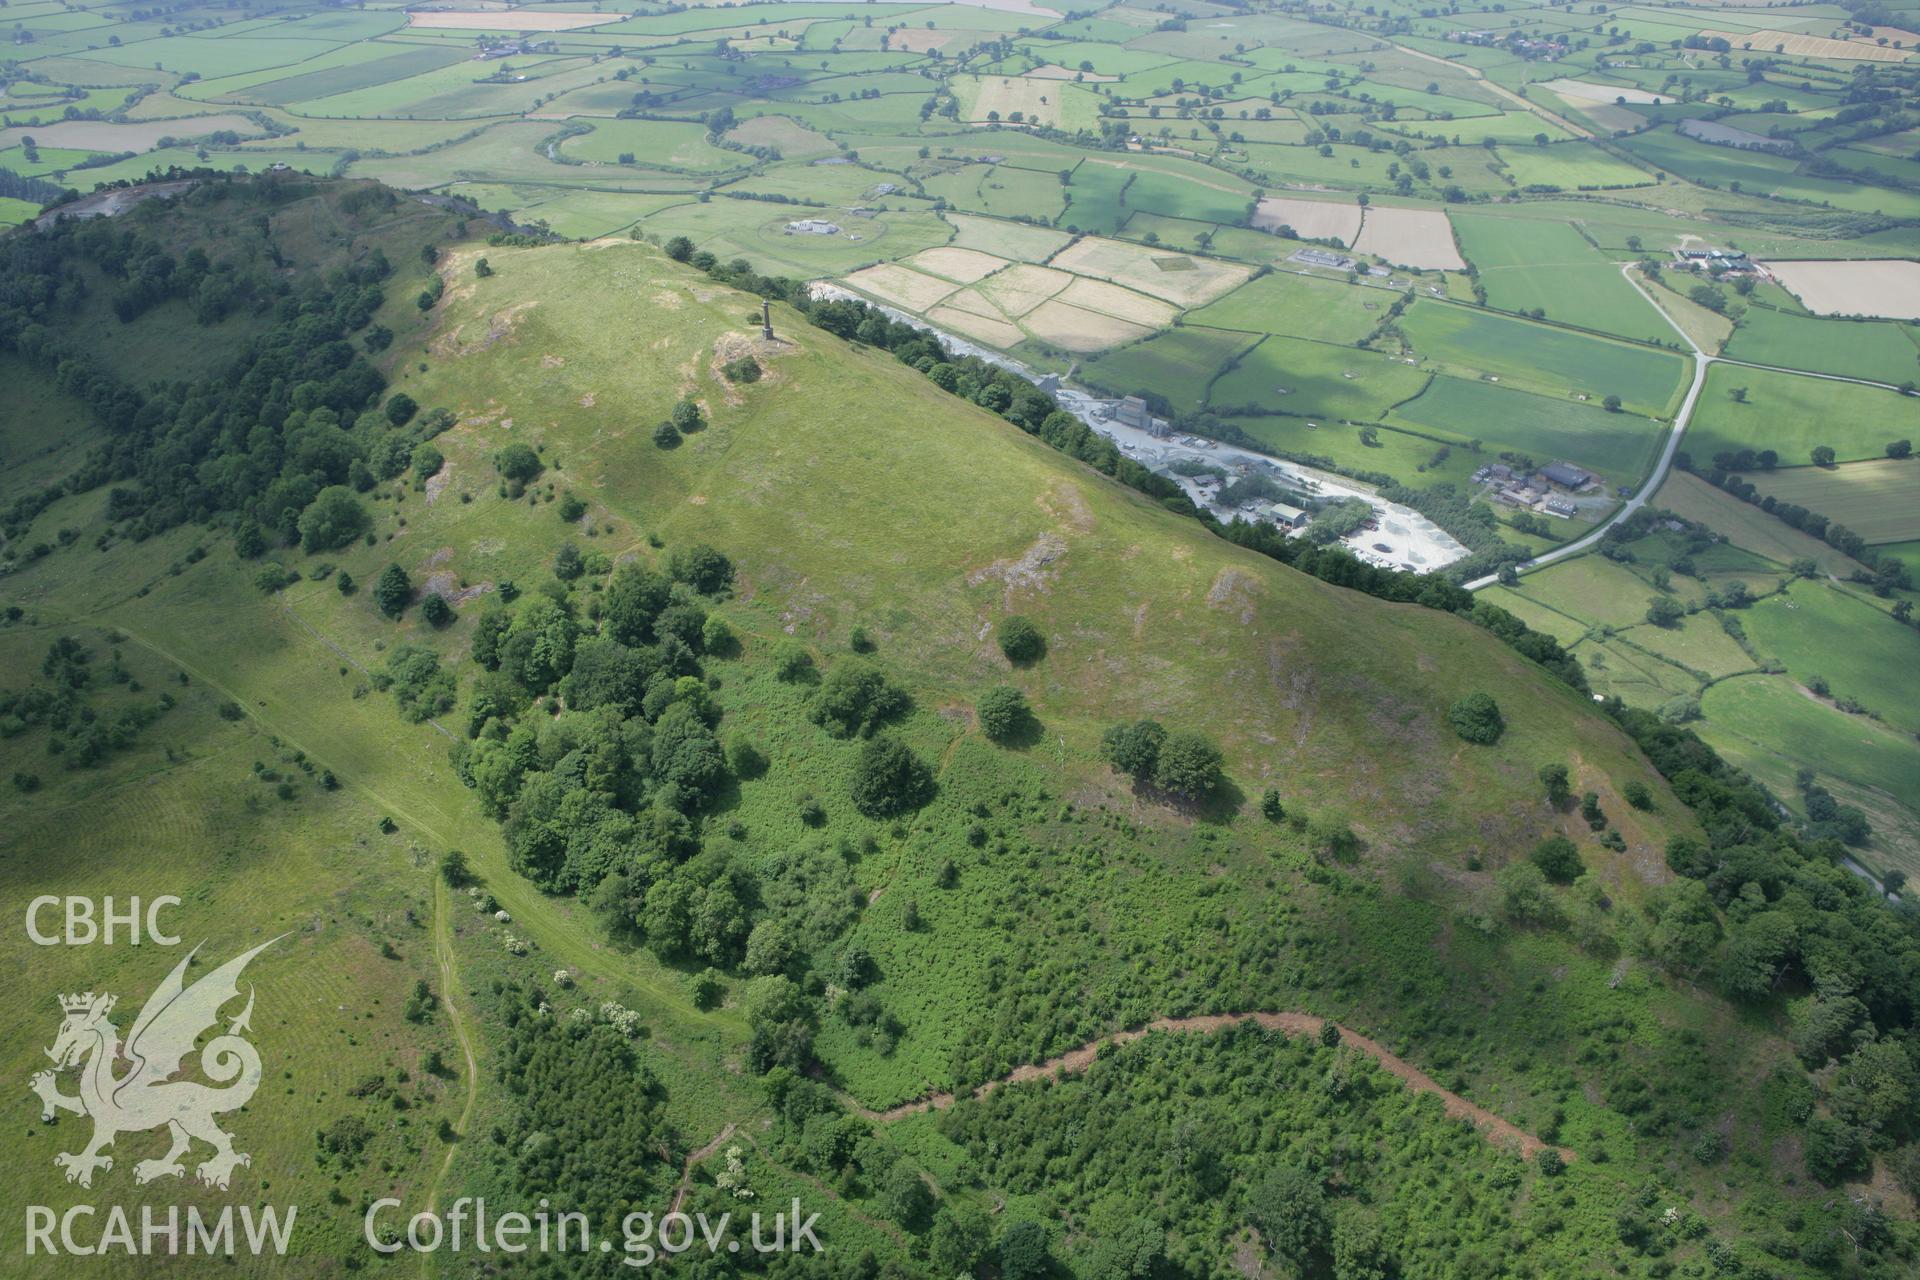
(393, 591)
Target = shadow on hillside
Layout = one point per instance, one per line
(1024, 736)
(1216, 810)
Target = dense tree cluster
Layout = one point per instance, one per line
(14, 186)
(889, 778)
(1558, 859)
(1020, 640)
(611, 784)
(421, 688)
(282, 436)
(587, 1127)
(1003, 712)
(1771, 915)
(607, 790)
(855, 698)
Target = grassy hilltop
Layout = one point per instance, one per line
(835, 957)
(858, 494)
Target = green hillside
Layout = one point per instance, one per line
(706, 711)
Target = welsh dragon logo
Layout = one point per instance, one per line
(146, 1095)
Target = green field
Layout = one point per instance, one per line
(1304, 379)
(186, 810)
(999, 189)
(210, 56)
(1699, 645)
(1179, 364)
(664, 144)
(1819, 630)
(1746, 525)
(1759, 721)
(757, 232)
(1548, 267)
(1768, 722)
(1621, 668)
(1006, 240)
(13, 212)
(1792, 415)
(1553, 362)
(1591, 589)
(839, 186)
(1422, 458)
(1764, 174)
(1908, 553)
(1619, 446)
(1570, 166)
(1096, 201)
(1300, 307)
(1176, 195)
(573, 212)
(509, 152)
(354, 67)
(51, 161)
(1878, 351)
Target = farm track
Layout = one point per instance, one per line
(1495, 1128)
(448, 962)
(694, 1158)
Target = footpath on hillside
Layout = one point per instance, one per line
(1496, 1129)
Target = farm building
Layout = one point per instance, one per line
(813, 227)
(1517, 495)
(1564, 475)
(1325, 258)
(1724, 259)
(1562, 507)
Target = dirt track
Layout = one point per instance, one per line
(694, 1158)
(1495, 1128)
